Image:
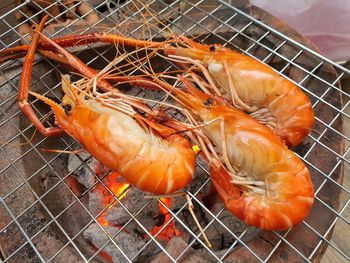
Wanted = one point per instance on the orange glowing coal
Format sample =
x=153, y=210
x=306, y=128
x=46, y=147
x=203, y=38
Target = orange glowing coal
x=196, y=149
x=119, y=189
x=170, y=230
x=102, y=219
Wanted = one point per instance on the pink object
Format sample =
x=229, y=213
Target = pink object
x=326, y=23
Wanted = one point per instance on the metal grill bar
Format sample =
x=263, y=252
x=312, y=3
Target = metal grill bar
x=283, y=239
x=23, y=232
x=52, y=217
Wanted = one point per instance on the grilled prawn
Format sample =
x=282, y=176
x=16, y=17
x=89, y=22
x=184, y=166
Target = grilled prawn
x=258, y=178
x=245, y=82
x=147, y=154
x=130, y=145
x=251, y=86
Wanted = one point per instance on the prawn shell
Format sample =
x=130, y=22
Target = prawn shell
x=151, y=163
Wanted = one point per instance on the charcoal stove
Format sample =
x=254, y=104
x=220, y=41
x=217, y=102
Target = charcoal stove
x=58, y=207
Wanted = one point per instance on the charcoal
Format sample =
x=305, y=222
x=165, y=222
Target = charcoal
x=96, y=203
x=82, y=173
x=129, y=243
x=194, y=258
x=134, y=201
x=174, y=247
x=117, y=216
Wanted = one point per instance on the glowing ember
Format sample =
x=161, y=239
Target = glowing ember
x=119, y=189
x=102, y=219
x=167, y=202
x=170, y=230
x=196, y=149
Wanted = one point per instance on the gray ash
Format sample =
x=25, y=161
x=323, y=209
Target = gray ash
x=133, y=215
x=129, y=243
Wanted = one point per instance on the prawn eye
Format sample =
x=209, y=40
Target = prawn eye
x=212, y=48
x=67, y=108
x=209, y=102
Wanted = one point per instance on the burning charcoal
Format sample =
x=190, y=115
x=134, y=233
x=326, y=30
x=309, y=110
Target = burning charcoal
x=134, y=201
x=129, y=243
x=96, y=202
x=174, y=247
x=48, y=244
x=83, y=174
x=117, y=216
x=218, y=236
x=198, y=181
x=202, y=255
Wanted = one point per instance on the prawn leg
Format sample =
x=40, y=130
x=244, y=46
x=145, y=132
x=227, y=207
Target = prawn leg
x=77, y=40
x=25, y=84
x=236, y=101
x=81, y=67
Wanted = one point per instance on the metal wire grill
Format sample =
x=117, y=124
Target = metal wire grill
x=337, y=151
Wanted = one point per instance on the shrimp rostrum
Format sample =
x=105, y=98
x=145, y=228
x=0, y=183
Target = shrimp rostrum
x=258, y=178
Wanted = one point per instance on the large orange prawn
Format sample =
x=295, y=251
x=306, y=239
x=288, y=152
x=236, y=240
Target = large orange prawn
x=251, y=86
x=144, y=153
x=147, y=154
x=247, y=83
x=258, y=178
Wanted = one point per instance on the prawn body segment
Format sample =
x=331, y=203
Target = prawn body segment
x=285, y=193
x=282, y=192
x=278, y=209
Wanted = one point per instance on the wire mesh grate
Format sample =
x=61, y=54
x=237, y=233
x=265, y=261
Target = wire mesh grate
x=29, y=188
